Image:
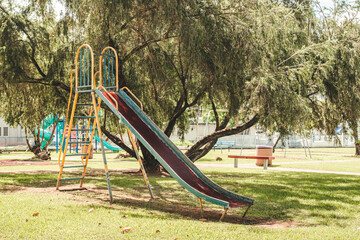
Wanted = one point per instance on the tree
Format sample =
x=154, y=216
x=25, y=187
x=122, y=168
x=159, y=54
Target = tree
x=34, y=53
x=264, y=62
x=223, y=55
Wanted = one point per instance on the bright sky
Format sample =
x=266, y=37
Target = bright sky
x=326, y=3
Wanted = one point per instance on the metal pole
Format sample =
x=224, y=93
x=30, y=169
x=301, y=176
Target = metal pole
x=224, y=213
x=102, y=144
x=201, y=207
x=246, y=211
x=57, y=138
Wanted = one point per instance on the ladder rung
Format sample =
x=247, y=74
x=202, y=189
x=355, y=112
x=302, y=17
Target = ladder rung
x=84, y=104
x=71, y=178
x=77, y=154
x=84, y=91
x=80, y=130
x=74, y=166
x=84, y=117
x=78, y=142
x=112, y=87
x=84, y=86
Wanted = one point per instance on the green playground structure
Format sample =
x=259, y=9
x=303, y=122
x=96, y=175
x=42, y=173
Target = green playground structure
x=46, y=135
x=107, y=145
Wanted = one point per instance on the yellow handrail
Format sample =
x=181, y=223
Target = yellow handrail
x=92, y=66
x=125, y=88
x=67, y=114
x=107, y=92
x=116, y=66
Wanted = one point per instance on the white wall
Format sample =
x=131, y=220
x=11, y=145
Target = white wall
x=15, y=135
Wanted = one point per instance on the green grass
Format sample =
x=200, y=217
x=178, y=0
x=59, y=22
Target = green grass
x=321, y=206
x=348, y=166
x=312, y=205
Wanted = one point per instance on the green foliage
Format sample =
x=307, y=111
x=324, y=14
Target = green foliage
x=285, y=62
x=34, y=60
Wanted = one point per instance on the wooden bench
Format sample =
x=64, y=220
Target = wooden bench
x=236, y=158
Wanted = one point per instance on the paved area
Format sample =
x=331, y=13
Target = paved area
x=252, y=165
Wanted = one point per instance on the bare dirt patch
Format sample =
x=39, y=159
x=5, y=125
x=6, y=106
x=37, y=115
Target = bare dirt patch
x=16, y=162
x=91, y=194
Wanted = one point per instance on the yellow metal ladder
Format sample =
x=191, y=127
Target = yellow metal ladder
x=84, y=84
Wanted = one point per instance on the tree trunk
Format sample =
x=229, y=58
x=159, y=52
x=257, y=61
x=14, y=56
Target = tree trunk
x=198, y=150
x=357, y=148
x=39, y=153
x=118, y=141
x=276, y=143
x=354, y=128
x=151, y=165
x=202, y=147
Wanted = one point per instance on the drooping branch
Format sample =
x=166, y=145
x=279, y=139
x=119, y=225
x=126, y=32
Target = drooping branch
x=193, y=152
x=117, y=141
x=27, y=138
x=179, y=110
x=144, y=45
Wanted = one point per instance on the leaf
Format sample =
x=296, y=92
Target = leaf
x=35, y=214
x=126, y=229
x=157, y=231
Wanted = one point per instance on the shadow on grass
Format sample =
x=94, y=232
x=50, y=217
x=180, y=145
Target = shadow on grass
x=278, y=195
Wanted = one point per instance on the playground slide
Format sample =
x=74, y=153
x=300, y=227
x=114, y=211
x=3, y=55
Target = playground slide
x=46, y=135
x=108, y=145
x=170, y=157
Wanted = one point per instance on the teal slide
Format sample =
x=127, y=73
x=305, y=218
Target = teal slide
x=46, y=135
x=179, y=166
x=107, y=145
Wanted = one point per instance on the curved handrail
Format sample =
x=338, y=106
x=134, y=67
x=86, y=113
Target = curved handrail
x=112, y=98
x=132, y=94
x=92, y=65
x=116, y=66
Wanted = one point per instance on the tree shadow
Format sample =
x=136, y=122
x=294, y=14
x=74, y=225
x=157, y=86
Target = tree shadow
x=278, y=196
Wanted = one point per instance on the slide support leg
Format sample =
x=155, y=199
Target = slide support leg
x=246, y=211
x=224, y=213
x=201, y=207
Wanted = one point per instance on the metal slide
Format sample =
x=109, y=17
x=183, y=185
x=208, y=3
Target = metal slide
x=171, y=158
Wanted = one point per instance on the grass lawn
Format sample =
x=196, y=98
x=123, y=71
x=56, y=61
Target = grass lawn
x=348, y=166
x=288, y=205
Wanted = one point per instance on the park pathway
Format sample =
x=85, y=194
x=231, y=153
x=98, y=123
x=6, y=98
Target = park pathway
x=252, y=165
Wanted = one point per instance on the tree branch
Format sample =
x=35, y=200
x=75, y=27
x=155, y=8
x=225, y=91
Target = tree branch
x=118, y=141
x=191, y=153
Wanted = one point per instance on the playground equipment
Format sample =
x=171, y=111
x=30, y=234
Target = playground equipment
x=46, y=135
x=138, y=123
x=107, y=145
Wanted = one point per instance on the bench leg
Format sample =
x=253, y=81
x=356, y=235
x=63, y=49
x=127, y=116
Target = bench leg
x=265, y=164
x=236, y=163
